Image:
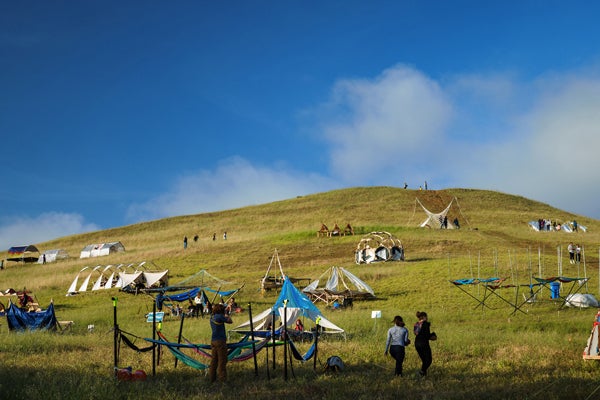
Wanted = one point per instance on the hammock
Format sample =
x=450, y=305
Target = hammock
x=309, y=354
x=235, y=350
x=132, y=345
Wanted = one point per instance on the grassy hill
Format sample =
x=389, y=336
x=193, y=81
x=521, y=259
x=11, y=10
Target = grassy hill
x=479, y=351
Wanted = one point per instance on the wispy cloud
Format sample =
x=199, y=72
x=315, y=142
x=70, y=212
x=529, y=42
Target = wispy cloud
x=234, y=183
x=46, y=226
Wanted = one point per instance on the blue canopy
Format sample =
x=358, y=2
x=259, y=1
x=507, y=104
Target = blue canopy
x=19, y=320
x=295, y=298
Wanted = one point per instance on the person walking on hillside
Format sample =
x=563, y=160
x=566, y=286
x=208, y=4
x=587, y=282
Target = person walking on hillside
x=423, y=335
x=185, y=242
x=571, y=250
x=218, y=343
x=397, y=339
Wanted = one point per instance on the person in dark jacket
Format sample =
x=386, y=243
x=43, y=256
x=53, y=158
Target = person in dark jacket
x=423, y=335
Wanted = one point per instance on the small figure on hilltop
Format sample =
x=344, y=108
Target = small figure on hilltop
x=225, y=235
x=423, y=335
x=214, y=236
x=185, y=242
x=397, y=339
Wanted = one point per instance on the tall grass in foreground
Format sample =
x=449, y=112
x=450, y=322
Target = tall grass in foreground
x=489, y=353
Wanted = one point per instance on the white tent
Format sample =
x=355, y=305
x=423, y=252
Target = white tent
x=591, y=350
x=436, y=220
x=101, y=249
x=296, y=305
x=581, y=300
x=109, y=276
x=53, y=255
x=338, y=282
x=379, y=246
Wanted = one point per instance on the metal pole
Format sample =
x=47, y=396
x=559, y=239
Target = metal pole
x=115, y=335
x=252, y=338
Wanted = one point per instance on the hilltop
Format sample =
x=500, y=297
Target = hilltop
x=479, y=350
x=489, y=220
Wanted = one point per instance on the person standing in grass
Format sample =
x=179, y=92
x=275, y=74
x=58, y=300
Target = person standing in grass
x=397, y=339
x=218, y=343
x=423, y=335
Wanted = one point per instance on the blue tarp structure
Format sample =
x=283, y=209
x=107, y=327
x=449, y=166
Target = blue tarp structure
x=190, y=294
x=19, y=320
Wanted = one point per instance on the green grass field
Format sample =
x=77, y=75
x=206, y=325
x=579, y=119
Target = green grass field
x=491, y=353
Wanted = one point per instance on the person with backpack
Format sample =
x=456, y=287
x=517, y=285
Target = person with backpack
x=397, y=340
x=423, y=335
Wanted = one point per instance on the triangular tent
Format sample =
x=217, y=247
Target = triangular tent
x=297, y=305
x=338, y=282
x=269, y=282
x=437, y=220
x=379, y=246
x=591, y=350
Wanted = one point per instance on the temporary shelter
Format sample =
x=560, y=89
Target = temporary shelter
x=53, y=255
x=109, y=276
x=338, y=284
x=379, y=246
x=101, y=249
x=296, y=305
x=26, y=254
x=20, y=320
x=269, y=282
x=591, y=350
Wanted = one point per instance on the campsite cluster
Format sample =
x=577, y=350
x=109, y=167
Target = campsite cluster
x=296, y=304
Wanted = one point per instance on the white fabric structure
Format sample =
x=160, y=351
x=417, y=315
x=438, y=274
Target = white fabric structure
x=379, y=246
x=591, y=350
x=340, y=280
x=53, y=255
x=117, y=277
x=436, y=220
x=581, y=300
x=101, y=249
x=297, y=305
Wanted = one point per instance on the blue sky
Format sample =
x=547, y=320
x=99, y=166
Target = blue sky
x=112, y=113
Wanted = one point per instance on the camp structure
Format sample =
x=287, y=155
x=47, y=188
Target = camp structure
x=379, y=246
x=20, y=320
x=591, y=350
x=129, y=278
x=101, y=249
x=53, y=255
x=297, y=305
x=25, y=254
x=270, y=282
x=338, y=284
x=440, y=220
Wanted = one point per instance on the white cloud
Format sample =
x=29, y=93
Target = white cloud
x=235, y=183
x=551, y=154
x=537, y=139
x=385, y=126
x=47, y=226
